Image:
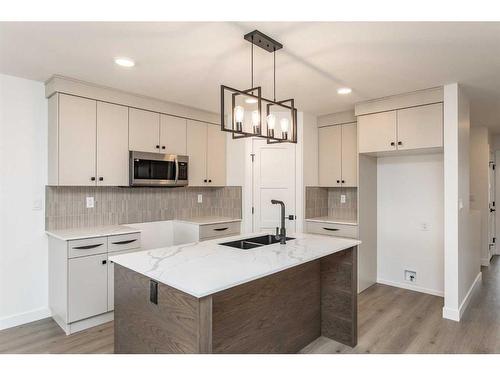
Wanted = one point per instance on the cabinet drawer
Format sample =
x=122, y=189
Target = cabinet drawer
x=124, y=242
x=337, y=230
x=87, y=246
x=219, y=230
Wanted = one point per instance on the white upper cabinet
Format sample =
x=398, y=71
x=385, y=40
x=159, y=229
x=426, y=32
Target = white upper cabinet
x=377, y=132
x=197, y=152
x=216, y=156
x=403, y=129
x=206, y=148
x=144, y=130
x=349, y=155
x=77, y=141
x=112, y=145
x=420, y=127
x=173, y=135
x=330, y=155
x=338, y=156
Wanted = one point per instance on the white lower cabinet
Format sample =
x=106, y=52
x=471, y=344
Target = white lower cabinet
x=87, y=286
x=81, y=279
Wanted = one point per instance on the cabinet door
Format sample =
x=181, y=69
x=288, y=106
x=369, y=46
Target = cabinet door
x=112, y=144
x=216, y=156
x=420, y=127
x=77, y=141
x=173, y=135
x=349, y=155
x=197, y=152
x=377, y=132
x=88, y=287
x=330, y=155
x=144, y=130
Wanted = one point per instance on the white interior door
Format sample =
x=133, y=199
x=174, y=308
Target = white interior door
x=273, y=178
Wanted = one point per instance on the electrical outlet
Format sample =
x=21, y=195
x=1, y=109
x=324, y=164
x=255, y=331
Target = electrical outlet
x=200, y=198
x=342, y=198
x=410, y=276
x=90, y=202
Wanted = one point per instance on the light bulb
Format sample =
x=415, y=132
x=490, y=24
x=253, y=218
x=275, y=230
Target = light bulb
x=255, y=118
x=284, y=125
x=271, y=121
x=239, y=113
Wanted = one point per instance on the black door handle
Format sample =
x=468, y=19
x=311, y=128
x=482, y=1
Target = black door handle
x=104, y=262
x=123, y=242
x=92, y=178
x=393, y=144
x=86, y=247
x=158, y=146
x=400, y=143
x=101, y=178
x=492, y=210
x=163, y=147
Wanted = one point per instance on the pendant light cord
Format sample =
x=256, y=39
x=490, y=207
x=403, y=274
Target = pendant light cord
x=274, y=75
x=251, y=86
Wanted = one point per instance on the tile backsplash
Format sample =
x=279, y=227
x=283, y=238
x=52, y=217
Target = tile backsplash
x=322, y=201
x=65, y=206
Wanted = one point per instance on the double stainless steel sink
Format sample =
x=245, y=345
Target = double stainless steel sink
x=253, y=242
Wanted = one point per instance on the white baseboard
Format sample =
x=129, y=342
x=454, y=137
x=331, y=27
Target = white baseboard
x=456, y=314
x=26, y=317
x=415, y=288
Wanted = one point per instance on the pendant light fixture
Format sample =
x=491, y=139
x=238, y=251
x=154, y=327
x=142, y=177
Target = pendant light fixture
x=241, y=110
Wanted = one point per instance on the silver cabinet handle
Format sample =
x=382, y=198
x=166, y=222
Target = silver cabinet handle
x=123, y=242
x=86, y=247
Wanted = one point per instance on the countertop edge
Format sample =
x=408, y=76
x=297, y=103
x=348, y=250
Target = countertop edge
x=331, y=221
x=91, y=235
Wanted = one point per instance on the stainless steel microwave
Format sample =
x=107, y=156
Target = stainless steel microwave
x=155, y=169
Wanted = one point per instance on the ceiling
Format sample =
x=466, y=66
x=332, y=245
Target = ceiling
x=187, y=62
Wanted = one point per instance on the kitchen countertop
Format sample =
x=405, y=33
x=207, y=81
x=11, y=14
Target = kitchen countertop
x=204, y=268
x=332, y=220
x=81, y=233
x=206, y=220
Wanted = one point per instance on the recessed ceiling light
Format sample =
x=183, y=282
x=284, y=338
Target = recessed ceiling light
x=125, y=62
x=344, y=90
x=250, y=100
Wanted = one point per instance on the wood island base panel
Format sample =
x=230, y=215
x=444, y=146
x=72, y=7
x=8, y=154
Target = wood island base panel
x=279, y=313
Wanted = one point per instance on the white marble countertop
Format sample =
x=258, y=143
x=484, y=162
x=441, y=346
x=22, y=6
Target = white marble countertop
x=204, y=268
x=81, y=233
x=206, y=220
x=332, y=220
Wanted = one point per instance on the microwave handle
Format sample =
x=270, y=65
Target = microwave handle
x=176, y=170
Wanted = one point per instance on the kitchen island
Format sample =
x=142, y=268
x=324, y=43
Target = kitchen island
x=205, y=297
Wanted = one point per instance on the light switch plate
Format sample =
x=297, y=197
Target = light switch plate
x=90, y=202
x=342, y=198
x=200, y=198
x=37, y=205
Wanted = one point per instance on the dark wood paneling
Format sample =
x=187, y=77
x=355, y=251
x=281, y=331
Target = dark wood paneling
x=279, y=313
x=171, y=326
x=339, y=318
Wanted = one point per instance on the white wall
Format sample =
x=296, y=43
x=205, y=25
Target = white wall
x=23, y=243
x=410, y=195
x=479, y=184
x=461, y=258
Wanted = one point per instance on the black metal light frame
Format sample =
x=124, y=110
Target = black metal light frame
x=263, y=41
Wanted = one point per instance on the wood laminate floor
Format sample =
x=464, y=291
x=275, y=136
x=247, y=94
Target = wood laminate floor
x=391, y=320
